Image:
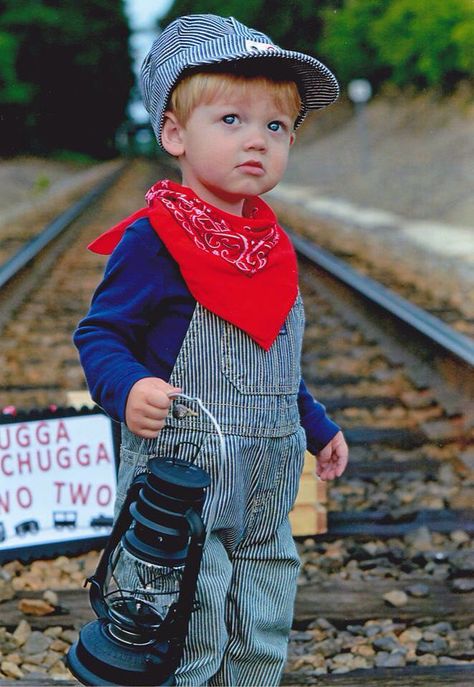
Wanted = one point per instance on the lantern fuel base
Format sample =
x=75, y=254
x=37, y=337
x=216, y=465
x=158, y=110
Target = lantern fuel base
x=143, y=589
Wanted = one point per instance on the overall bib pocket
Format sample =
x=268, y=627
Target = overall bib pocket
x=252, y=370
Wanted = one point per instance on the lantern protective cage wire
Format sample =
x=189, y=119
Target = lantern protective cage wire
x=141, y=590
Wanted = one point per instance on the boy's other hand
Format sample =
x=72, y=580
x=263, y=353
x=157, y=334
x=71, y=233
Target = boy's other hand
x=147, y=406
x=332, y=459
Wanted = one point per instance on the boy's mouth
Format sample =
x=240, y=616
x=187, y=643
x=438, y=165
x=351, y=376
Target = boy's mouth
x=252, y=167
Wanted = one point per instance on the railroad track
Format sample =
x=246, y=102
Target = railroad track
x=407, y=278
x=400, y=519
x=400, y=383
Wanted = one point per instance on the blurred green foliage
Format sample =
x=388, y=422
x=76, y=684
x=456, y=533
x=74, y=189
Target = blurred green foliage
x=405, y=42
x=347, y=40
x=65, y=75
x=424, y=43
x=295, y=24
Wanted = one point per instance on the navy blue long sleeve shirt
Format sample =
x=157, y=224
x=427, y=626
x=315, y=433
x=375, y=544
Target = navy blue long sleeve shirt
x=136, y=325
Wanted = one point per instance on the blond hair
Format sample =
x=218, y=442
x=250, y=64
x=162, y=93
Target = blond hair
x=204, y=87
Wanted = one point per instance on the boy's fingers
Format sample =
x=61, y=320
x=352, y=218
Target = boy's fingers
x=342, y=463
x=157, y=399
x=154, y=413
x=326, y=474
x=324, y=456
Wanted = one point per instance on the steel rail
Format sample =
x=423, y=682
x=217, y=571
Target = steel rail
x=436, y=354
x=385, y=525
x=423, y=322
x=14, y=265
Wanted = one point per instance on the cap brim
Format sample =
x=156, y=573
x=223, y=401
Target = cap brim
x=319, y=86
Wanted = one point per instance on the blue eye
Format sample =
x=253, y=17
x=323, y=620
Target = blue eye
x=275, y=126
x=229, y=119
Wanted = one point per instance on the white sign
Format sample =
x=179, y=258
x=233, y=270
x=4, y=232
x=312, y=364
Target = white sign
x=57, y=480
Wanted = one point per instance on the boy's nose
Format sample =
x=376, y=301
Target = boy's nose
x=255, y=140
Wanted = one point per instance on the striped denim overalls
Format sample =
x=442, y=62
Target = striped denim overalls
x=238, y=635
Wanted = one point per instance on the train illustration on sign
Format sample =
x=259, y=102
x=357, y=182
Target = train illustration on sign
x=68, y=519
x=27, y=527
x=62, y=519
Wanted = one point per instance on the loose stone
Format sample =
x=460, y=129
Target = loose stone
x=59, y=670
x=302, y=636
x=7, y=591
x=51, y=597
x=419, y=591
x=420, y=539
x=462, y=561
x=60, y=645
x=54, y=631
x=7, y=642
x=35, y=673
x=10, y=669
x=328, y=647
x=36, y=643
x=37, y=607
x=51, y=658
x=22, y=632
x=396, y=598
x=459, y=537
x=363, y=650
x=436, y=646
x=462, y=584
x=441, y=628
x=69, y=636
x=37, y=659
x=386, y=644
x=384, y=659
x=412, y=634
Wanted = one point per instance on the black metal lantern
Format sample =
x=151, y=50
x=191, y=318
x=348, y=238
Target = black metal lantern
x=143, y=589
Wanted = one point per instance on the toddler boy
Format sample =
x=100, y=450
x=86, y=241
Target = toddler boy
x=200, y=295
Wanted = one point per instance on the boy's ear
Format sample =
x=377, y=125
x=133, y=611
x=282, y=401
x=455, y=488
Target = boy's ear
x=292, y=138
x=171, y=135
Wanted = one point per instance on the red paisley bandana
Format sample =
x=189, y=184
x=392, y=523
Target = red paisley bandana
x=243, y=269
x=242, y=242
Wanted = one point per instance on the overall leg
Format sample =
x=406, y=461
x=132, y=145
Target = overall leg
x=265, y=563
x=259, y=612
x=207, y=635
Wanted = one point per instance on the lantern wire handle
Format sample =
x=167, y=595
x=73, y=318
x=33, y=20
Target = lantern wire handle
x=213, y=506
x=223, y=451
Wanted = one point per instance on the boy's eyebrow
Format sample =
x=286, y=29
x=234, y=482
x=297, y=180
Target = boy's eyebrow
x=237, y=102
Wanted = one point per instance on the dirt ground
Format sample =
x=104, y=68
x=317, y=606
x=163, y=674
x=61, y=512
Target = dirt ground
x=25, y=179
x=412, y=157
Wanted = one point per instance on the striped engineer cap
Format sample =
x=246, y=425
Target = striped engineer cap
x=205, y=39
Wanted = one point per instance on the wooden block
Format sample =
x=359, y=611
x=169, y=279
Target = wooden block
x=309, y=515
x=307, y=520
x=321, y=491
x=307, y=492
x=309, y=464
x=79, y=399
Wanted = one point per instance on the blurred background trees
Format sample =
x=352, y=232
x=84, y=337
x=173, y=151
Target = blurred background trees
x=66, y=76
x=405, y=42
